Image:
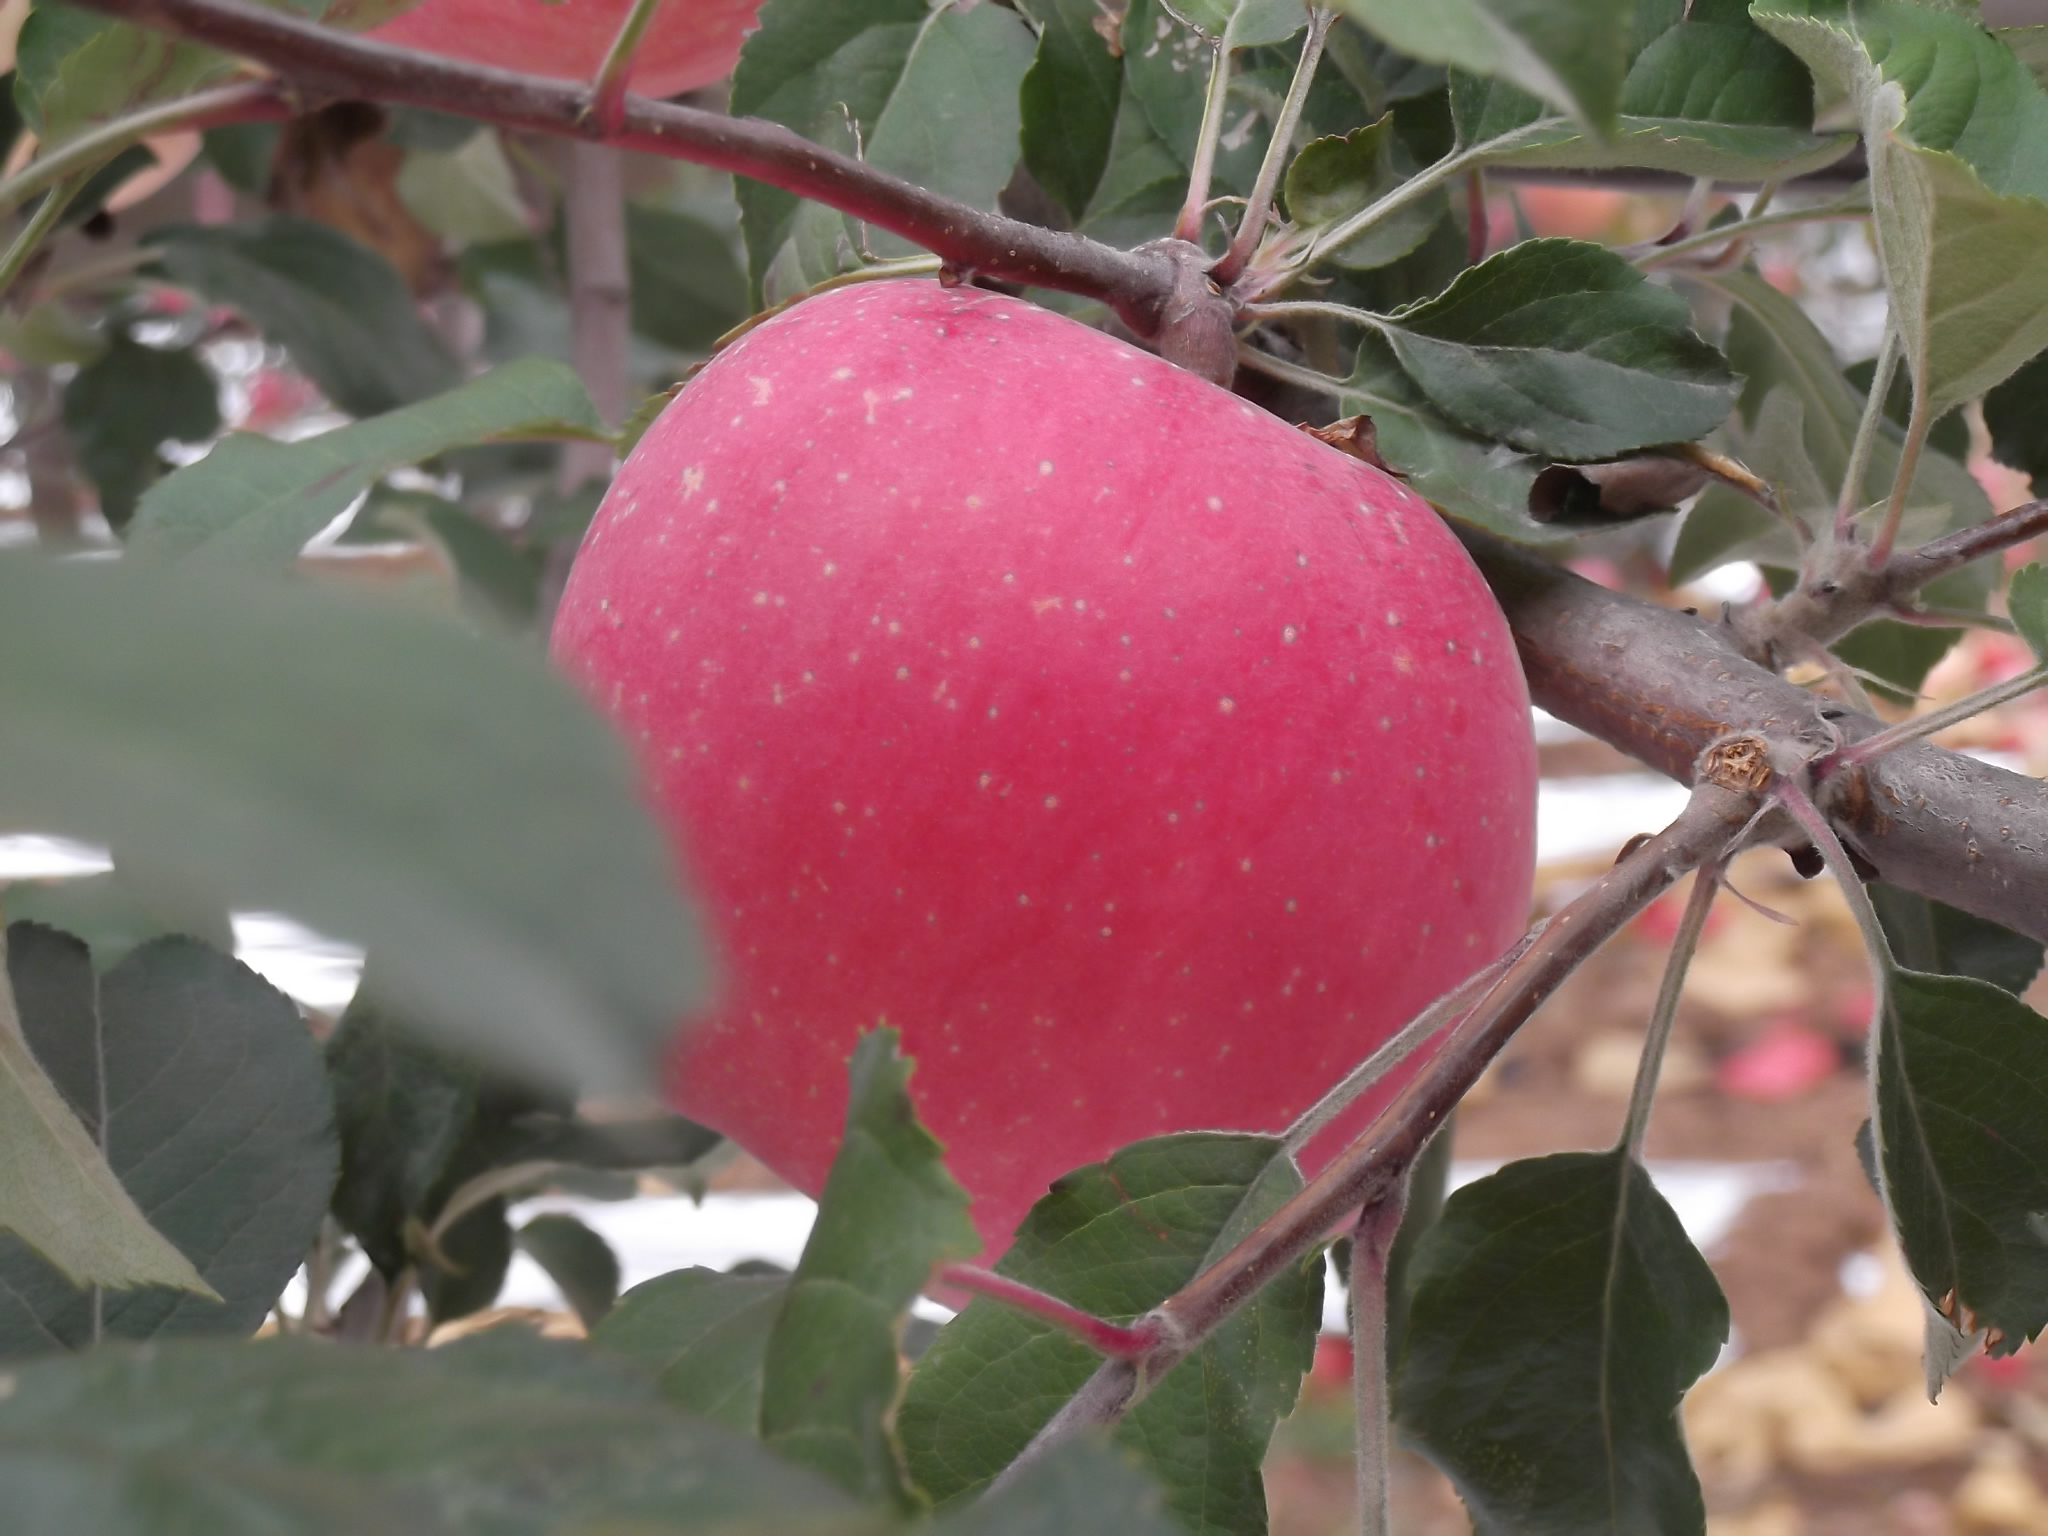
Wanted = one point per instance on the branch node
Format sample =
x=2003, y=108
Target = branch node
x=1739, y=764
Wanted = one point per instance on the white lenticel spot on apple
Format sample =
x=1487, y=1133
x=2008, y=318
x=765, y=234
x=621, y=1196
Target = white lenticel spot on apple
x=1225, y=706
x=1052, y=802
x=902, y=673
x=693, y=481
x=842, y=373
x=763, y=388
x=1245, y=865
x=1288, y=634
x=1215, y=503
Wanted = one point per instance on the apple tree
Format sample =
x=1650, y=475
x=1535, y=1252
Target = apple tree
x=958, y=610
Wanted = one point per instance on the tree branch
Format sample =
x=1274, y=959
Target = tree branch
x=322, y=63
x=1660, y=685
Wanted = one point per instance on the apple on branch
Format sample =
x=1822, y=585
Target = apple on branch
x=1142, y=759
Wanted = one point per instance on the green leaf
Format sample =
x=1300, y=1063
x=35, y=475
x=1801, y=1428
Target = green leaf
x=74, y=70
x=687, y=291
x=1900, y=655
x=1166, y=72
x=254, y=498
x=340, y=309
x=502, y=1435
x=499, y=581
x=1557, y=1316
x=119, y=910
x=1794, y=425
x=1573, y=54
x=1067, y=102
x=1333, y=178
x=1142, y=186
x=465, y=192
x=438, y=796
x=2018, y=425
x=2027, y=601
x=1463, y=475
x=1560, y=347
x=952, y=123
x=206, y=1090
x=1957, y=135
x=831, y=1373
x=122, y=407
x=467, y=1268
x=580, y=1263
x=1936, y=938
x=60, y=1197
x=1115, y=1239
x=704, y=1336
x=1082, y=1489
x=1962, y=1135
x=811, y=65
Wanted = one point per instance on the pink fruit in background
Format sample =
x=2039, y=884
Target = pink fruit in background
x=690, y=42
x=1787, y=1061
x=1144, y=760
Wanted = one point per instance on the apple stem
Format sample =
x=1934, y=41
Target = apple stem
x=1706, y=881
x=1735, y=237
x=1259, y=206
x=1372, y=1242
x=1111, y=1340
x=37, y=230
x=1918, y=422
x=1188, y=226
x=608, y=90
x=1367, y=1171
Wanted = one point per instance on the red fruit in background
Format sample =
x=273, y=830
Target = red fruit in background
x=1786, y=1061
x=1144, y=760
x=688, y=44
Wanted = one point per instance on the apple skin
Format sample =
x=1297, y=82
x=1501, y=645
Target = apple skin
x=690, y=43
x=1143, y=760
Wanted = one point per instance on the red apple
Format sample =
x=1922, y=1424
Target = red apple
x=690, y=42
x=1143, y=760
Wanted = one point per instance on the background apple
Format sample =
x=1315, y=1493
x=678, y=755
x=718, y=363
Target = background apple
x=690, y=43
x=1144, y=760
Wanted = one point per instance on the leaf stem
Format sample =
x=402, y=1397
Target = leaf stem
x=1848, y=207
x=1372, y=1242
x=1935, y=721
x=1413, y=190
x=245, y=101
x=1105, y=1338
x=37, y=230
x=1865, y=441
x=1453, y=1005
x=1188, y=226
x=1918, y=422
x=1706, y=881
x=1253, y=225
x=608, y=89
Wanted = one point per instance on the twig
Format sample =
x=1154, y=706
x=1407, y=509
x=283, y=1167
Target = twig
x=608, y=89
x=1372, y=1241
x=1279, y=149
x=1106, y=1338
x=1367, y=1171
x=323, y=61
x=1854, y=204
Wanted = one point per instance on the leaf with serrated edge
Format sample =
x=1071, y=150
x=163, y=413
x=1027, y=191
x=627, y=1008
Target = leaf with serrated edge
x=1933, y=937
x=75, y=70
x=1560, y=347
x=1957, y=133
x=1242, y=23
x=888, y=1214
x=1115, y=1239
x=315, y=751
x=1558, y=1414
x=504, y=1433
x=705, y=1337
x=60, y=1197
x=1572, y=53
x=217, y=1121
x=1962, y=1135
x=1334, y=177
x=257, y=499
